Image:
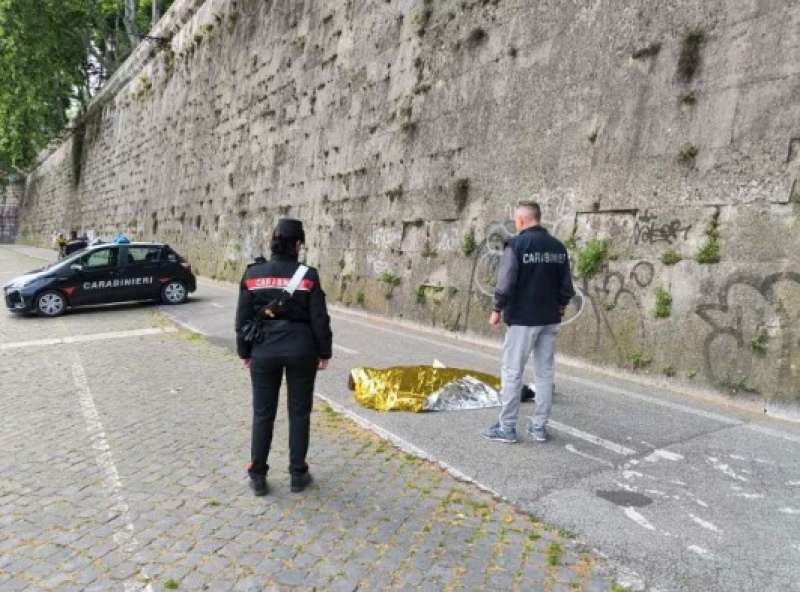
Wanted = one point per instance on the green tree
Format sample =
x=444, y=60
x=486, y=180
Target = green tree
x=54, y=57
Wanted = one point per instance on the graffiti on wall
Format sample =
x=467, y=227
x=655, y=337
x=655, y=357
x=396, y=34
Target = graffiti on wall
x=648, y=229
x=754, y=325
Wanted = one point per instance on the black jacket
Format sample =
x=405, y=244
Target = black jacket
x=303, y=329
x=533, y=280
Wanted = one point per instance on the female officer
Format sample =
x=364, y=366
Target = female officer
x=282, y=325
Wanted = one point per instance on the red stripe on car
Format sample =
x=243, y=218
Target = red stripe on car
x=267, y=283
x=164, y=280
x=69, y=291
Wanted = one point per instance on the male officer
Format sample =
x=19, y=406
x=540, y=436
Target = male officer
x=276, y=333
x=534, y=286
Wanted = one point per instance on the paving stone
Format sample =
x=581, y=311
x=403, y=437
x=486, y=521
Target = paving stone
x=179, y=456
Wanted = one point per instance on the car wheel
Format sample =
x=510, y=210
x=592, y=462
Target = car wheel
x=174, y=292
x=51, y=304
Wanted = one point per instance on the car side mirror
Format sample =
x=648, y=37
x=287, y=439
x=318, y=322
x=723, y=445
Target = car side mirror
x=76, y=267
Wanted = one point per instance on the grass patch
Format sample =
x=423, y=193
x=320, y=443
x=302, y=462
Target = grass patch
x=390, y=282
x=360, y=298
x=663, y=304
x=591, y=258
x=420, y=295
x=668, y=371
x=329, y=411
x=171, y=584
x=638, y=360
x=708, y=253
x=554, y=553
x=670, y=257
x=615, y=587
x=469, y=245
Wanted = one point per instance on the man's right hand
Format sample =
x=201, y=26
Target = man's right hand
x=323, y=364
x=494, y=319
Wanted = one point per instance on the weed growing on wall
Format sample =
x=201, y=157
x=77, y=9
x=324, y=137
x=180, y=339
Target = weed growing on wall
x=428, y=252
x=639, y=360
x=709, y=252
x=688, y=98
x=469, y=245
x=670, y=257
x=687, y=153
x=663, y=304
x=421, y=295
x=759, y=343
x=390, y=282
x=591, y=257
x=690, y=58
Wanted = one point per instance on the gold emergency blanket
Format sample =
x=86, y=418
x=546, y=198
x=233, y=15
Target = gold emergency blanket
x=409, y=388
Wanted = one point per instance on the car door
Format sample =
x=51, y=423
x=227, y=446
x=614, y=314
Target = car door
x=98, y=274
x=139, y=271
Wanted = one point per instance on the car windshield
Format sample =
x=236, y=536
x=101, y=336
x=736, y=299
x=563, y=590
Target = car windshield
x=67, y=261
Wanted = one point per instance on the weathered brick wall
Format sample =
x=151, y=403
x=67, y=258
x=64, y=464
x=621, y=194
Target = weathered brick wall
x=399, y=129
x=11, y=190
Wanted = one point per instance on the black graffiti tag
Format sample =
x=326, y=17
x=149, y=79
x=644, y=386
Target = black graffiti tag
x=646, y=230
x=725, y=319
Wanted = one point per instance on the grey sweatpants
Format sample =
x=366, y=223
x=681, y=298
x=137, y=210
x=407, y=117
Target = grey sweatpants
x=520, y=342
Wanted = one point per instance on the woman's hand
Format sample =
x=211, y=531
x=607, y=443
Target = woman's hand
x=323, y=364
x=246, y=363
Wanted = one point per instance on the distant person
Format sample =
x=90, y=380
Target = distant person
x=282, y=326
x=61, y=243
x=121, y=239
x=74, y=244
x=534, y=286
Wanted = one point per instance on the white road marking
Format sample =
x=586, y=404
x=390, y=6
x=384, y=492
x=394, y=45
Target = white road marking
x=628, y=474
x=750, y=495
x=345, y=350
x=638, y=518
x=87, y=338
x=573, y=450
x=726, y=469
x=700, y=551
x=666, y=454
x=792, y=511
x=596, y=440
x=793, y=483
x=705, y=524
x=217, y=305
x=123, y=535
x=737, y=457
x=187, y=326
x=654, y=400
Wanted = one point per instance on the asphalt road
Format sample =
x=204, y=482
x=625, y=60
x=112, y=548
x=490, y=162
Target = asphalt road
x=683, y=494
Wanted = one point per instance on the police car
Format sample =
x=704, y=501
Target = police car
x=103, y=274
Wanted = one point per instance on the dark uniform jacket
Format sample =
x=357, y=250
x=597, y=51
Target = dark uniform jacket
x=533, y=280
x=302, y=330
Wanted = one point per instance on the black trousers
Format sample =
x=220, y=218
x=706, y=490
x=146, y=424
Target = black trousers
x=266, y=375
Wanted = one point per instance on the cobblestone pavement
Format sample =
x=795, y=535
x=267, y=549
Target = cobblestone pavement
x=122, y=468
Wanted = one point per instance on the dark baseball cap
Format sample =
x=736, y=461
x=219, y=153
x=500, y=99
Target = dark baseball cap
x=289, y=228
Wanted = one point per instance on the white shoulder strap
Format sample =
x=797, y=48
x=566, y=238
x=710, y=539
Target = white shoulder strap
x=297, y=278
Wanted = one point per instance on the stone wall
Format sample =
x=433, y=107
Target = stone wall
x=403, y=131
x=11, y=190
